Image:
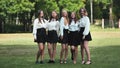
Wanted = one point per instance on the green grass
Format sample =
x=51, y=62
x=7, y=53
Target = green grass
x=19, y=50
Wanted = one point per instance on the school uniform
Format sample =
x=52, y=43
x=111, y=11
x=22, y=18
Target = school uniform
x=53, y=29
x=63, y=31
x=74, y=33
x=39, y=30
x=84, y=24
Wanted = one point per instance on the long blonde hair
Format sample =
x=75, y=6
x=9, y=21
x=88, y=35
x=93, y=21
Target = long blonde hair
x=67, y=18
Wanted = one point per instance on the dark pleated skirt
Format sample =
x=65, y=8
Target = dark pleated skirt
x=41, y=35
x=52, y=37
x=65, y=37
x=73, y=38
x=87, y=37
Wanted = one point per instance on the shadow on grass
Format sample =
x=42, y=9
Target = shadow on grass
x=22, y=56
x=106, y=54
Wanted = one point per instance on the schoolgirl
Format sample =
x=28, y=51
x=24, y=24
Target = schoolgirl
x=74, y=36
x=64, y=22
x=85, y=35
x=39, y=33
x=52, y=36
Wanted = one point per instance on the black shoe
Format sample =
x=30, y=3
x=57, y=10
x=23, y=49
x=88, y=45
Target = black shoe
x=53, y=61
x=71, y=57
x=50, y=61
x=41, y=62
x=37, y=62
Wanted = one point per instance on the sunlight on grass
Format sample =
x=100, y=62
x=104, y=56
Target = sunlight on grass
x=13, y=39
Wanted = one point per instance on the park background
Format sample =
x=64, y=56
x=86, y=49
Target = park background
x=17, y=49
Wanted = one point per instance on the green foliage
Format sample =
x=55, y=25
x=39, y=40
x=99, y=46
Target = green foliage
x=10, y=7
x=97, y=12
x=103, y=1
x=13, y=28
x=116, y=8
x=15, y=6
x=3, y=8
x=71, y=5
x=26, y=9
x=47, y=6
x=19, y=6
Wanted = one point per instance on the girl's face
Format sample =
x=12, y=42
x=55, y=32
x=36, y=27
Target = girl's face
x=41, y=14
x=82, y=12
x=73, y=15
x=64, y=14
x=54, y=14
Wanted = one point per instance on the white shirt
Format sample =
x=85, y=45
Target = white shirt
x=62, y=26
x=85, y=22
x=74, y=26
x=53, y=25
x=37, y=25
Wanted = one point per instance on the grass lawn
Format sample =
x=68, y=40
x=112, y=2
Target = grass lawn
x=19, y=51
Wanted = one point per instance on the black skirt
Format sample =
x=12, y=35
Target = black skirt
x=41, y=35
x=52, y=37
x=74, y=38
x=87, y=37
x=65, y=37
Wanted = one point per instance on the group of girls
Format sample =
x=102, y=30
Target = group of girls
x=67, y=31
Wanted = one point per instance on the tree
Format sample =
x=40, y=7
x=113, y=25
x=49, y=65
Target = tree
x=116, y=8
x=3, y=9
x=47, y=6
x=10, y=8
x=22, y=8
x=71, y=5
x=110, y=4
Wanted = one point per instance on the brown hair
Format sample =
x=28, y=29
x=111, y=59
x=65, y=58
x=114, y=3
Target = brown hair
x=84, y=10
x=75, y=19
x=39, y=12
x=52, y=17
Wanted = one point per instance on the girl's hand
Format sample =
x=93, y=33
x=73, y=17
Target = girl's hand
x=83, y=37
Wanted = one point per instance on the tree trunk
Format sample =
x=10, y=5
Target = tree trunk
x=24, y=21
x=0, y=26
x=30, y=21
x=91, y=8
x=111, y=23
x=25, y=26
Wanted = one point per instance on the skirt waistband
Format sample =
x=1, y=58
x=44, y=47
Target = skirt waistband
x=82, y=27
x=73, y=31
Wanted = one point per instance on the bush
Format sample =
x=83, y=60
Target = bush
x=13, y=28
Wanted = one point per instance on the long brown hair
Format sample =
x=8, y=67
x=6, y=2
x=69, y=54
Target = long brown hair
x=75, y=19
x=51, y=17
x=39, y=17
x=84, y=10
